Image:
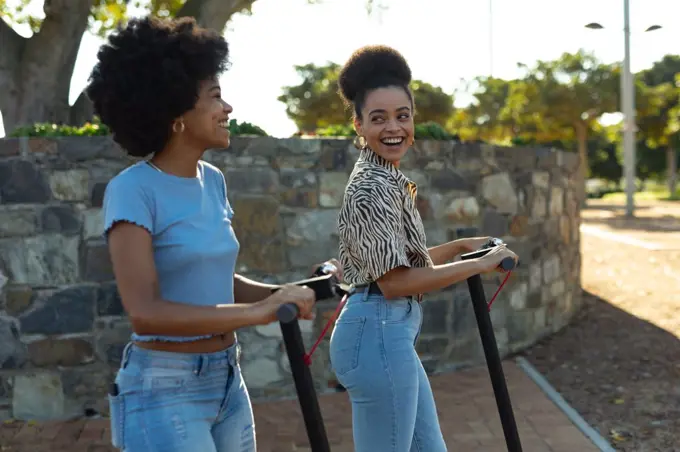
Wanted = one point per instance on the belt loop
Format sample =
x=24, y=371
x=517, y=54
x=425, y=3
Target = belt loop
x=199, y=366
x=234, y=353
x=366, y=293
x=125, y=357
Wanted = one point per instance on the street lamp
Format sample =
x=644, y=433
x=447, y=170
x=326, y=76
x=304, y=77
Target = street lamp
x=627, y=108
x=490, y=38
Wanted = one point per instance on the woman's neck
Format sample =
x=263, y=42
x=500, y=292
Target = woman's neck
x=178, y=160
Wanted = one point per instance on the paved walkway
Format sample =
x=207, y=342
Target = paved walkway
x=467, y=411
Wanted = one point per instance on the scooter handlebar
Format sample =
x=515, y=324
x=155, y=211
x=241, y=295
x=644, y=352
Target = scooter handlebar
x=324, y=287
x=506, y=264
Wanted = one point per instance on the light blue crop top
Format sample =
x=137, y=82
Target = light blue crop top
x=189, y=219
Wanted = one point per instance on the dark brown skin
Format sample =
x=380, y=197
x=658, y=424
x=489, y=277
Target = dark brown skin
x=388, y=112
x=249, y=291
x=442, y=254
x=131, y=251
x=133, y=265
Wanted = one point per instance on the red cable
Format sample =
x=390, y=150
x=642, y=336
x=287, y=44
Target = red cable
x=488, y=306
x=308, y=356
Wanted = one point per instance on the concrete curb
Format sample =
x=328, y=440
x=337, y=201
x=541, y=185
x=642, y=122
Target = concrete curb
x=562, y=404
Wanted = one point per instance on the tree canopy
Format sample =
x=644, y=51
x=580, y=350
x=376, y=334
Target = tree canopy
x=315, y=102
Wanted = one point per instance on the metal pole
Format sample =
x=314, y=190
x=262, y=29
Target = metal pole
x=490, y=38
x=628, y=107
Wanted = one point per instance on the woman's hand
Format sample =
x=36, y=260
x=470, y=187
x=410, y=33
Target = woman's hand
x=491, y=261
x=302, y=296
x=467, y=245
x=335, y=263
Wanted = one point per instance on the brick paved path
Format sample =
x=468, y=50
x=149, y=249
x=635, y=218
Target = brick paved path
x=467, y=411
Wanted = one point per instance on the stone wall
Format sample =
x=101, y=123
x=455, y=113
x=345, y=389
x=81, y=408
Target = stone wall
x=62, y=328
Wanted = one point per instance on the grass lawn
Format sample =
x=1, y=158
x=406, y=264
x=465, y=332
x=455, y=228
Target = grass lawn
x=650, y=194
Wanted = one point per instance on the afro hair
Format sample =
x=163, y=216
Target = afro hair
x=369, y=68
x=148, y=74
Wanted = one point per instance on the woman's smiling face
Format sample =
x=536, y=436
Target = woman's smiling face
x=387, y=122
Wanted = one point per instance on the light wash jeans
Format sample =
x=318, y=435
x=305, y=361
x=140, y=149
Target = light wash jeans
x=373, y=354
x=181, y=402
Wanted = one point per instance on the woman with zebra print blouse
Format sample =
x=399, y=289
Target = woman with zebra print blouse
x=384, y=256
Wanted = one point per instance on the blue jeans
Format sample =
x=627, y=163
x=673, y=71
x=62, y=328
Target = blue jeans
x=181, y=402
x=373, y=354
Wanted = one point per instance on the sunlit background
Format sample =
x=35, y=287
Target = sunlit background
x=445, y=42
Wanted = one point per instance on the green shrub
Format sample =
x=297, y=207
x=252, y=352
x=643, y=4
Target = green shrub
x=424, y=131
x=336, y=130
x=95, y=128
x=245, y=128
x=433, y=131
x=57, y=130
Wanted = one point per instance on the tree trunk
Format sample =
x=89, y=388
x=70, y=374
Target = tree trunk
x=36, y=72
x=213, y=13
x=10, y=58
x=581, y=130
x=672, y=167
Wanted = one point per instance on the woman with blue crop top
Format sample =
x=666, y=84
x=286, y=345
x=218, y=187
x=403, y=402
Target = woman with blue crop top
x=167, y=221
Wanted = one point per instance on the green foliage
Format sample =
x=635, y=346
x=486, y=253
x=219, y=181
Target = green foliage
x=95, y=128
x=482, y=119
x=315, y=103
x=336, y=130
x=432, y=103
x=554, y=96
x=106, y=15
x=432, y=131
x=245, y=128
x=57, y=130
x=558, y=103
x=18, y=15
x=423, y=131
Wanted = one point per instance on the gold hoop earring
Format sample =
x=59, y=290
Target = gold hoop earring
x=181, y=128
x=360, y=142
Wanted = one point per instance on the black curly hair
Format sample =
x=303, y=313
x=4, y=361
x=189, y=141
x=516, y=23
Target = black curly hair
x=372, y=67
x=148, y=74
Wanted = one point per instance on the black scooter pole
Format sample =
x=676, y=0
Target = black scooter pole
x=493, y=360
x=295, y=349
x=304, y=384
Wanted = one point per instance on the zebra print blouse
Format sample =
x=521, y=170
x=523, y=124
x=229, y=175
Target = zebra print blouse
x=379, y=225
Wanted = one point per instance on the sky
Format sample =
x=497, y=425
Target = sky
x=445, y=42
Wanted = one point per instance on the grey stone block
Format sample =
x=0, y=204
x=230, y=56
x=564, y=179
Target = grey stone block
x=22, y=182
x=38, y=396
x=67, y=311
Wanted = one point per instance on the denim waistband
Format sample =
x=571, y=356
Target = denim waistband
x=196, y=362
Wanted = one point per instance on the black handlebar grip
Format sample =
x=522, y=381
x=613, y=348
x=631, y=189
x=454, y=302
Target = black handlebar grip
x=507, y=264
x=323, y=286
x=287, y=312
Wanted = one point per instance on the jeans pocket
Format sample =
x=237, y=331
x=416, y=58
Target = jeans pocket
x=345, y=344
x=117, y=417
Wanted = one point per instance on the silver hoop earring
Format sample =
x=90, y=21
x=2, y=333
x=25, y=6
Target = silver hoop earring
x=181, y=128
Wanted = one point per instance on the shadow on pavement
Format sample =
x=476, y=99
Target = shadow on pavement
x=619, y=372
x=650, y=217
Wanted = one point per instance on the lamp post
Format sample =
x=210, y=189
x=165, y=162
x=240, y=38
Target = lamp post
x=627, y=108
x=490, y=38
